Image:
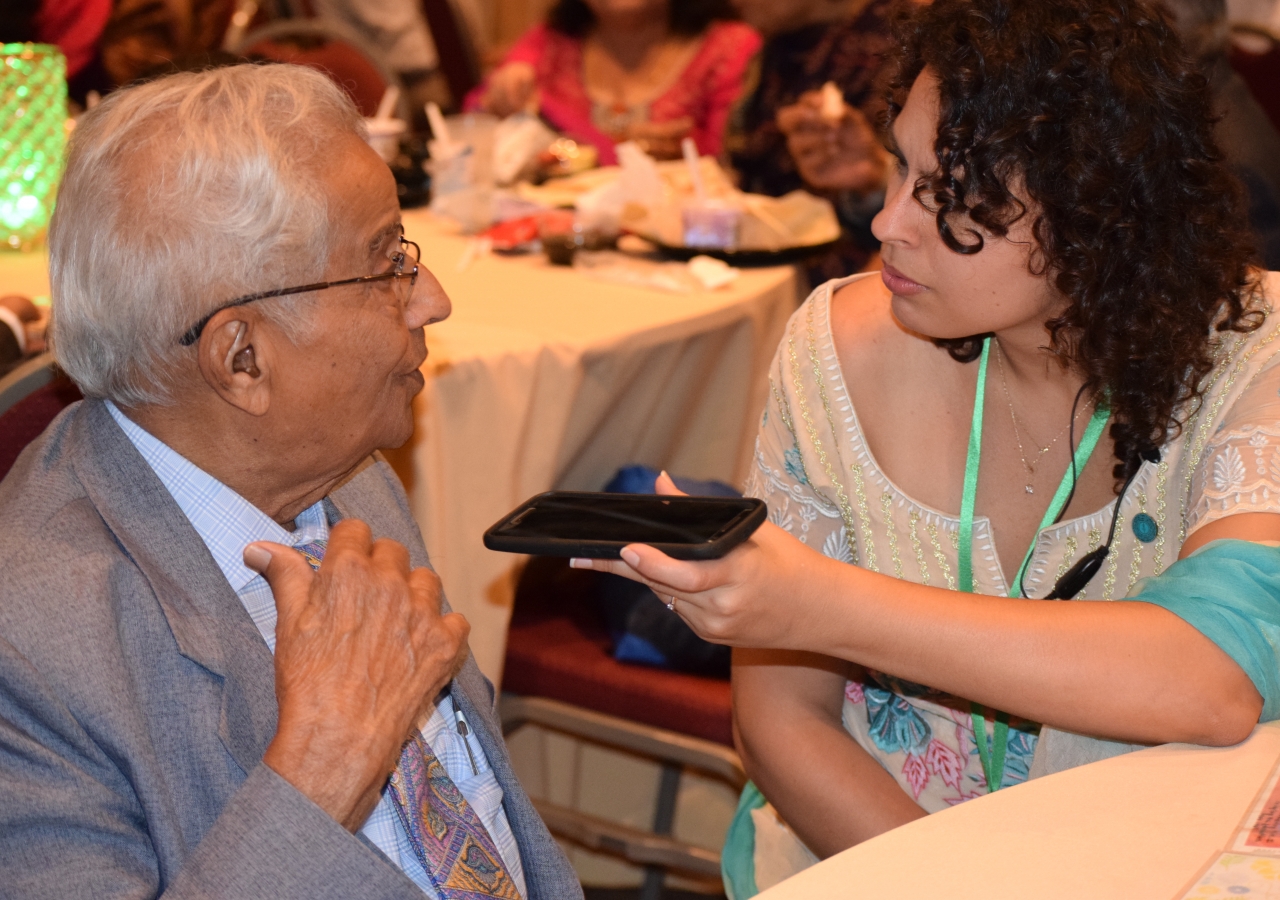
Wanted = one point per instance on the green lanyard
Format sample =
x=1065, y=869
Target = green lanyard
x=992, y=754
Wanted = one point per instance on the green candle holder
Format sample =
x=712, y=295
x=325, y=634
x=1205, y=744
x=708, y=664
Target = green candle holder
x=33, y=135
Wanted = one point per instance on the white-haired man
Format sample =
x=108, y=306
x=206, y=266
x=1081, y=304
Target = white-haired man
x=234, y=294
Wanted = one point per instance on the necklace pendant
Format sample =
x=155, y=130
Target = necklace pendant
x=1029, y=489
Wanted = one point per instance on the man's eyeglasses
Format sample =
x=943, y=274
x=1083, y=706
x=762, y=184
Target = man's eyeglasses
x=403, y=277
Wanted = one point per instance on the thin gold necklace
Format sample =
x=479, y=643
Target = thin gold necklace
x=1017, y=435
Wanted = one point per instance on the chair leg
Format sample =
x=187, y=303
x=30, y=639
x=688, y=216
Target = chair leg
x=664, y=815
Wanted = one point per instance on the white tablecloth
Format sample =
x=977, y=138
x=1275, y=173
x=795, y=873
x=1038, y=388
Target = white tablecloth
x=544, y=379
x=1136, y=827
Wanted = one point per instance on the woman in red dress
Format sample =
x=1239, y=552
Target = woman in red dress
x=606, y=71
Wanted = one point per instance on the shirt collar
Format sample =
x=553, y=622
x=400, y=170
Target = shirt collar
x=225, y=521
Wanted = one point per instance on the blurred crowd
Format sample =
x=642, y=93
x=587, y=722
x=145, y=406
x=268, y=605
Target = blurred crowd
x=743, y=78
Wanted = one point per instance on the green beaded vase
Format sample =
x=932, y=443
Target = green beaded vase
x=33, y=133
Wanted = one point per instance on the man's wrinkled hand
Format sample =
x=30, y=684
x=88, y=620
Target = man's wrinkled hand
x=362, y=651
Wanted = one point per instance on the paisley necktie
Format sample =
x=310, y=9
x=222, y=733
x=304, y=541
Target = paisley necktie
x=447, y=836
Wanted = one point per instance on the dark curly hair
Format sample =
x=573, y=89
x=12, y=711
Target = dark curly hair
x=1095, y=111
x=687, y=17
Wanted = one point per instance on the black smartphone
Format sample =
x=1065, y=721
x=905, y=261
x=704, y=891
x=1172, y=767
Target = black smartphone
x=585, y=524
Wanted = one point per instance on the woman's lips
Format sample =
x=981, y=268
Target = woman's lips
x=898, y=283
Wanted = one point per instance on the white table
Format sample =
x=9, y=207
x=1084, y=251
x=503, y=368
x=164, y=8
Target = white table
x=1138, y=827
x=544, y=379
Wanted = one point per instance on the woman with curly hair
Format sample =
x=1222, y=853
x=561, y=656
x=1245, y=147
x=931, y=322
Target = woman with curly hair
x=1062, y=385
x=606, y=71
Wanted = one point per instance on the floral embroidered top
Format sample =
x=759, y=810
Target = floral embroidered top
x=821, y=483
x=705, y=91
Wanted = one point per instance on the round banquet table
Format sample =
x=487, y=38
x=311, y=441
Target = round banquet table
x=1142, y=826
x=542, y=379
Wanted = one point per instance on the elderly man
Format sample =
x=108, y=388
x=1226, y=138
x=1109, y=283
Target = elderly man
x=234, y=295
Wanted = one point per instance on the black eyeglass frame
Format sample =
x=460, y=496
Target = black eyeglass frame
x=192, y=334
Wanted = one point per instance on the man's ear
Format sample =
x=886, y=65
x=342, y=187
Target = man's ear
x=235, y=360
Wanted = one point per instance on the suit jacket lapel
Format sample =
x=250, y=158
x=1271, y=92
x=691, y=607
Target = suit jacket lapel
x=207, y=619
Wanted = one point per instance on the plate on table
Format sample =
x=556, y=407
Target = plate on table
x=746, y=257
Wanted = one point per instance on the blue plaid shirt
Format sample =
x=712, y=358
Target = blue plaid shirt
x=227, y=523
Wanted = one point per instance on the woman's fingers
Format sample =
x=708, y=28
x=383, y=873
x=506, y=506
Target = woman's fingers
x=510, y=88
x=684, y=576
x=611, y=566
x=666, y=485
x=665, y=575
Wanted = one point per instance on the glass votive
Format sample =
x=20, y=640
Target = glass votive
x=33, y=129
x=561, y=236
x=563, y=233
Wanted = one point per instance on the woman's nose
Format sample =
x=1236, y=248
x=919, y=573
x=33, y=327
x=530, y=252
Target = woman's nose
x=898, y=221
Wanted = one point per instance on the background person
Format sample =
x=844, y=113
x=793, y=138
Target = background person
x=1041, y=302
x=607, y=71
x=1243, y=131
x=186, y=707
x=21, y=336
x=780, y=140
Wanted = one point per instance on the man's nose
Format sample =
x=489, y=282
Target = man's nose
x=428, y=303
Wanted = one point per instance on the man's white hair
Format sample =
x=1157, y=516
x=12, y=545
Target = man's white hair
x=179, y=195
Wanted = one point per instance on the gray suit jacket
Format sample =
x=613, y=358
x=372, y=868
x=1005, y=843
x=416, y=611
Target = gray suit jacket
x=137, y=698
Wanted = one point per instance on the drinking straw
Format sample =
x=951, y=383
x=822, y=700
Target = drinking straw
x=388, y=102
x=690, y=150
x=438, y=126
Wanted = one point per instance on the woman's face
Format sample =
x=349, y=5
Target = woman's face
x=937, y=292
x=605, y=10
x=770, y=17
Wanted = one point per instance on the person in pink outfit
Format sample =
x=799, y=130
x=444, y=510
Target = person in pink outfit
x=606, y=71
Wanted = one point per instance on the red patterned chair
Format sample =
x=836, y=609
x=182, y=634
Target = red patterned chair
x=31, y=396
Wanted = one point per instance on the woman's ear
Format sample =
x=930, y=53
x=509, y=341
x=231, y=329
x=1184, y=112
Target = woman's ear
x=234, y=359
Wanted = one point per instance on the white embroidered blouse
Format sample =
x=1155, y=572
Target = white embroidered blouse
x=821, y=483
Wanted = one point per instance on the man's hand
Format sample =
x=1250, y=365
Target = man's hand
x=833, y=153
x=361, y=654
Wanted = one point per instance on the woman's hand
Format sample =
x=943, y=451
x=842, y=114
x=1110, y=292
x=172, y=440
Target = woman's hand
x=755, y=596
x=833, y=154
x=661, y=140
x=512, y=89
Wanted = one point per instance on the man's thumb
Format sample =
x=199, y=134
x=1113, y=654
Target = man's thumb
x=285, y=569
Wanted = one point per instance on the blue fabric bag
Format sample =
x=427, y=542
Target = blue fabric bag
x=642, y=628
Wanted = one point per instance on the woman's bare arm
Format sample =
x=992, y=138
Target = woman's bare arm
x=1122, y=670
x=787, y=726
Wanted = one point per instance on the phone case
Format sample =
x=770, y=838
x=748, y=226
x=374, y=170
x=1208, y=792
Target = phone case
x=753, y=513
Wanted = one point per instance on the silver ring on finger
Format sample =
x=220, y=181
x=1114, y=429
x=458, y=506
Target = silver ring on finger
x=671, y=603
